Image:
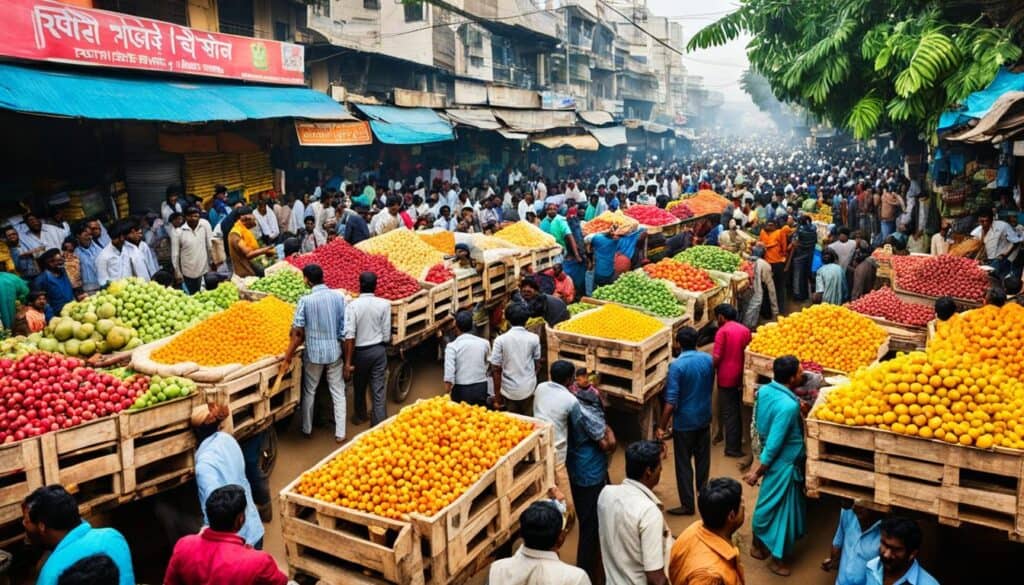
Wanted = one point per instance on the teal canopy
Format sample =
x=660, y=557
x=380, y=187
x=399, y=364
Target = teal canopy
x=394, y=125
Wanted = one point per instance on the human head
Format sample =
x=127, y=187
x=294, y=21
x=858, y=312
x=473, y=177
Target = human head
x=556, y=270
x=394, y=204
x=49, y=513
x=172, y=193
x=1012, y=285
x=68, y=245
x=844, y=234
x=206, y=419
x=95, y=227
x=786, y=370
x=292, y=246
x=517, y=314
x=770, y=225
x=32, y=222
x=51, y=260
x=529, y=289
x=97, y=569
x=446, y=212
x=464, y=321
x=643, y=462
x=225, y=508
x=985, y=217
x=687, y=339
x=176, y=219
x=901, y=541
x=721, y=505
x=37, y=300
x=313, y=275
x=11, y=236
x=367, y=283
x=541, y=526
x=725, y=313
x=220, y=192
x=582, y=377
x=192, y=216
x=828, y=256
x=945, y=307
x=995, y=297
x=562, y=372
x=552, y=210
x=133, y=232
x=83, y=234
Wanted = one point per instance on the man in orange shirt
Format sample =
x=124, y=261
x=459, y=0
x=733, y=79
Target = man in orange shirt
x=704, y=554
x=776, y=249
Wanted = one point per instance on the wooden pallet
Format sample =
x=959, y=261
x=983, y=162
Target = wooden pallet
x=21, y=472
x=903, y=337
x=339, y=545
x=441, y=298
x=157, y=446
x=757, y=370
x=632, y=371
x=544, y=258
x=85, y=459
x=956, y=484
x=499, y=278
x=469, y=290
x=410, y=316
x=249, y=401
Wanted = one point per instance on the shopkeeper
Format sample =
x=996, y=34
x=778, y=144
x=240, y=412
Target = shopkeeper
x=242, y=244
x=999, y=238
x=54, y=281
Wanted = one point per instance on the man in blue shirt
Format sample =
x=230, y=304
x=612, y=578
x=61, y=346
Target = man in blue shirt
x=51, y=520
x=356, y=228
x=603, y=248
x=220, y=462
x=896, y=563
x=320, y=324
x=856, y=542
x=54, y=281
x=688, y=408
x=87, y=251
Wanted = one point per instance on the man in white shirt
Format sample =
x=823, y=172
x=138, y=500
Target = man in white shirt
x=465, y=363
x=445, y=221
x=387, y=219
x=553, y=403
x=536, y=562
x=541, y=189
x=142, y=260
x=940, y=240
x=36, y=233
x=192, y=250
x=635, y=541
x=266, y=221
x=113, y=261
x=367, y=332
x=297, y=220
x=999, y=238
x=515, y=358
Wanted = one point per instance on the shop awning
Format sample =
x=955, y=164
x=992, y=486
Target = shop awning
x=980, y=102
x=103, y=97
x=534, y=121
x=393, y=125
x=481, y=118
x=596, y=117
x=1004, y=119
x=610, y=136
x=510, y=135
x=579, y=141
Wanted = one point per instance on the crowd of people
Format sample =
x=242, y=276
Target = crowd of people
x=623, y=536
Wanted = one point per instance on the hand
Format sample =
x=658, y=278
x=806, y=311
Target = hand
x=556, y=494
x=828, y=564
x=347, y=374
x=499, y=404
x=660, y=433
x=751, y=478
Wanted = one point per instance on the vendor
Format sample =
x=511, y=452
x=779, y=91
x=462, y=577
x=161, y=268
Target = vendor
x=550, y=307
x=243, y=246
x=999, y=238
x=463, y=259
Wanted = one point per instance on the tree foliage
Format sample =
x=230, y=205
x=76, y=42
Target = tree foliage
x=870, y=65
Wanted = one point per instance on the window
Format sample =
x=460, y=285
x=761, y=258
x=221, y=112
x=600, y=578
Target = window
x=282, y=32
x=476, y=61
x=414, y=12
x=371, y=4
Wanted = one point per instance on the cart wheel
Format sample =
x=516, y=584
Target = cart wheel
x=399, y=380
x=268, y=450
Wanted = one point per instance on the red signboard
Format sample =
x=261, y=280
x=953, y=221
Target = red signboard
x=44, y=30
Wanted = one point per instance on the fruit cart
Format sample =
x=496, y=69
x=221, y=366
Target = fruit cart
x=630, y=374
x=674, y=323
x=912, y=297
x=336, y=544
x=959, y=485
x=757, y=370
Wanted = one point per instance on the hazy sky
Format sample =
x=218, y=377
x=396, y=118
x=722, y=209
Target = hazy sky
x=720, y=66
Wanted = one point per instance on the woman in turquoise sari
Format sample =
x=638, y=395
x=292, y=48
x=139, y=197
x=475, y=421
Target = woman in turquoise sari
x=778, y=518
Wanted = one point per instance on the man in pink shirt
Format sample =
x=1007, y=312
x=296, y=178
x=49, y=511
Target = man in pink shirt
x=218, y=555
x=731, y=341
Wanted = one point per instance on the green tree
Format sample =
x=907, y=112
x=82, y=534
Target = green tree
x=871, y=65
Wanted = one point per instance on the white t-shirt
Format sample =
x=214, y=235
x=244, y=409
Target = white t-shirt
x=553, y=403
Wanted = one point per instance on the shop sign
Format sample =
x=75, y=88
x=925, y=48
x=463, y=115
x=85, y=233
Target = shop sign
x=44, y=30
x=550, y=100
x=355, y=133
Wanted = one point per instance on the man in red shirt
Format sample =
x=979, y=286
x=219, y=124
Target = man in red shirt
x=731, y=341
x=217, y=555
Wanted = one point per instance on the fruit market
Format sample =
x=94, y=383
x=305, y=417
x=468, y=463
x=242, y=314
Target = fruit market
x=423, y=293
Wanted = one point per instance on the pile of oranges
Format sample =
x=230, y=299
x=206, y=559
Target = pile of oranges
x=613, y=321
x=241, y=334
x=989, y=334
x=441, y=240
x=953, y=398
x=524, y=234
x=420, y=462
x=833, y=336
x=682, y=275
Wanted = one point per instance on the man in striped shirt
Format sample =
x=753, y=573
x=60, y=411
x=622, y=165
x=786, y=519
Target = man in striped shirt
x=320, y=324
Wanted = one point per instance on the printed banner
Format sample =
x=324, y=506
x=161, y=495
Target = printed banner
x=44, y=30
x=333, y=133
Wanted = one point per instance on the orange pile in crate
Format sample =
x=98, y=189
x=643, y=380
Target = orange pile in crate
x=420, y=462
x=833, y=336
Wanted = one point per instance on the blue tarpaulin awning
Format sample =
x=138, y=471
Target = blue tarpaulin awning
x=980, y=102
x=109, y=97
x=394, y=125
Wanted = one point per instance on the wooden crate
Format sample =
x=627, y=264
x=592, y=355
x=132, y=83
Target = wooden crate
x=671, y=229
x=86, y=460
x=956, y=484
x=248, y=398
x=410, y=316
x=911, y=297
x=757, y=370
x=339, y=545
x=633, y=371
x=674, y=323
x=544, y=258
x=21, y=472
x=157, y=446
x=499, y=278
x=469, y=290
x=441, y=298
x=903, y=337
